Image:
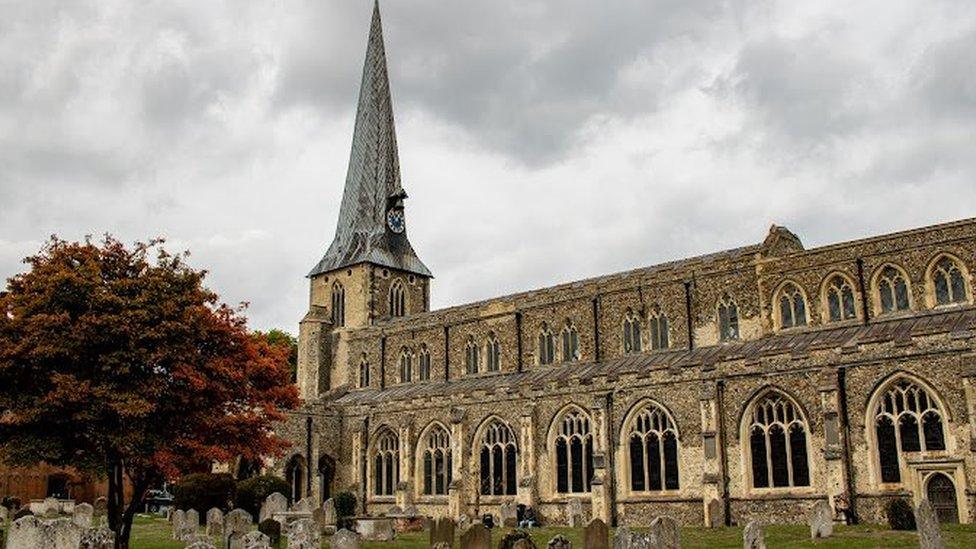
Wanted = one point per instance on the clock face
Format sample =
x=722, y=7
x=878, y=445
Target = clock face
x=395, y=220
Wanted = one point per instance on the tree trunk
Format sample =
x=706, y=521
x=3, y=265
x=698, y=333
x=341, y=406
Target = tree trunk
x=120, y=515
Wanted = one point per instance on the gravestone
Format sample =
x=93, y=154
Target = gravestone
x=101, y=504
x=666, y=533
x=4, y=514
x=215, y=522
x=508, y=513
x=304, y=534
x=394, y=511
x=753, y=536
x=714, y=514
x=344, y=539
x=192, y=518
x=236, y=524
x=31, y=532
x=305, y=505
x=201, y=544
x=442, y=530
x=523, y=544
x=255, y=540
x=63, y=532
x=375, y=528
x=476, y=536
x=574, y=512
x=177, y=519
x=559, y=542
x=596, y=535
x=51, y=507
x=275, y=503
x=463, y=522
x=82, y=515
x=97, y=538
x=328, y=512
x=927, y=524
x=621, y=540
x=820, y=517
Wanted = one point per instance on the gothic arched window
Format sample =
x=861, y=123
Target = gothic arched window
x=570, y=339
x=653, y=450
x=436, y=461
x=907, y=418
x=547, y=347
x=792, y=306
x=398, y=299
x=777, y=447
x=892, y=288
x=386, y=463
x=363, y=372
x=948, y=282
x=338, y=304
x=295, y=472
x=574, y=452
x=632, y=333
x=658, y=325
x=494, y=353
x=406, y=365
x=499, y=460
x=839, y=296
x=423, y=363
x=728, y=318
x=472, y=356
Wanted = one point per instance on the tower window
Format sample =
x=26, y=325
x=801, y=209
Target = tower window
x=363, y=372
x=493, y=352
x=423, y=363
x=547, y=346
x=570, y=339
x=658, y=322
x=632, y=332
x=406, y=366
x=398, y=306
x=472, y=356
x=338, y=304
x=728, y=319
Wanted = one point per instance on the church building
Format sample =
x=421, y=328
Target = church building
x=744, y=384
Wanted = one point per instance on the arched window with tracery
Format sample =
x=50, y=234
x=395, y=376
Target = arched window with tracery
x=398, y=299
x=338, y=304
x=728, y=318
x=573, y=452
x=792, y=306
x=653, y=450
x=893, y=290
x=658, y=326
x=386, y=463
x=839, y=296
x=406, y=365
x=363, y=372
x=295, y=472
x=436, y=461
x=948, y=282
x=499, y=460
x=547, y=347
x=472, y=356
x=777, y=448
x=423, y=363
x=907, y=418
x=493, y=353
x=570, y=337
x=632, y=332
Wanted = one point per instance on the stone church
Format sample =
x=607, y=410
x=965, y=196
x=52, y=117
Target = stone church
x=744, y=384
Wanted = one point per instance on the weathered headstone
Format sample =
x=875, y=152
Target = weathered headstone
x=344, y=539
x=559, y=542
x=714, y=519
x=574, y=512
x=927, y=524
x=97, y=538
x=523, y=543
x=621, y=540
x=63, y=532
x=753, y=536
x=305, y=505
x=177, y=519
x=255, y=540
x=328, y=512
x=192, y=518
x=82, y=515
x=666, y=533
x=476, y=537
x=215, y=522
x=820, y=517
x=236, y=524
x=304, y=534
x=442, y=530
x=101, y=504
x=275, y=503
x=596, y=535
x=375, y=528
x=4, y=513
x=51, y=507
x=508, y=514
x=25, y=533
x=30, y=532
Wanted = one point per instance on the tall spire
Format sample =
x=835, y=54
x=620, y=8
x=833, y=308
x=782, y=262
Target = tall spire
x=373, y=178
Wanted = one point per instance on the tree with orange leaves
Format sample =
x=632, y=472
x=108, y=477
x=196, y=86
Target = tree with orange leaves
x=119, y=362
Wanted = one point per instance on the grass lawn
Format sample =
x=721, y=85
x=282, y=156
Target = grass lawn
x=154, y=533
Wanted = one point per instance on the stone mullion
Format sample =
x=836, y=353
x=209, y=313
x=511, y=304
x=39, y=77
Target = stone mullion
x=712, y=439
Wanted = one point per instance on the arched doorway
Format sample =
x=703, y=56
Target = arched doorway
x=295, y=475
x=941, y=492
x=326, y=475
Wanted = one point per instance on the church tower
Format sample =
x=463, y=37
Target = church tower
x=370, y=272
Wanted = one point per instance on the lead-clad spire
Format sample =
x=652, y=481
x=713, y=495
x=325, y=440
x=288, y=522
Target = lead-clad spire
x=373, y=178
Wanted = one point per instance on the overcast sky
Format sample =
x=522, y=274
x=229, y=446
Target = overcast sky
x=540, y=142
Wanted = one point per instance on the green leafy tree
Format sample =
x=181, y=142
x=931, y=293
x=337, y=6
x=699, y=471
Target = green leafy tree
x=281, y=338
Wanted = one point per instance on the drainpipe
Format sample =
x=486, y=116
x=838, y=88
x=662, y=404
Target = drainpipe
x=611, y=460
x=720, y=401
x=364, y=482
x=447, y=353
x=383, y=362
x=861, y=288
x=689, y=285
x=848, y=466
x=596, y=328
x=518, y=339
x=308, y=455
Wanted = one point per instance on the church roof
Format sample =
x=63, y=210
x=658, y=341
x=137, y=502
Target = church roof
x=373, y=177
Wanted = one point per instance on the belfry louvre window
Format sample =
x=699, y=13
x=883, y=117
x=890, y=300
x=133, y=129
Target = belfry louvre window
x=494, y=353
x=658, y=325
x=437, y=462
x=653, y=449
x=840, y=299
x=728, y=319
x=892, y=290
x=778, y=443
x=423, y=364
x=574, y=453
x=792, y=306
x=570, y=339
x=632, y=333
x=499, y=460
x=472, y=356
x=363, y=373
x=338, y=304
x=547, y=351
x=907, y=419
x=398, y=306
x=386, y=464
x=950, y=286
x=406, y=366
